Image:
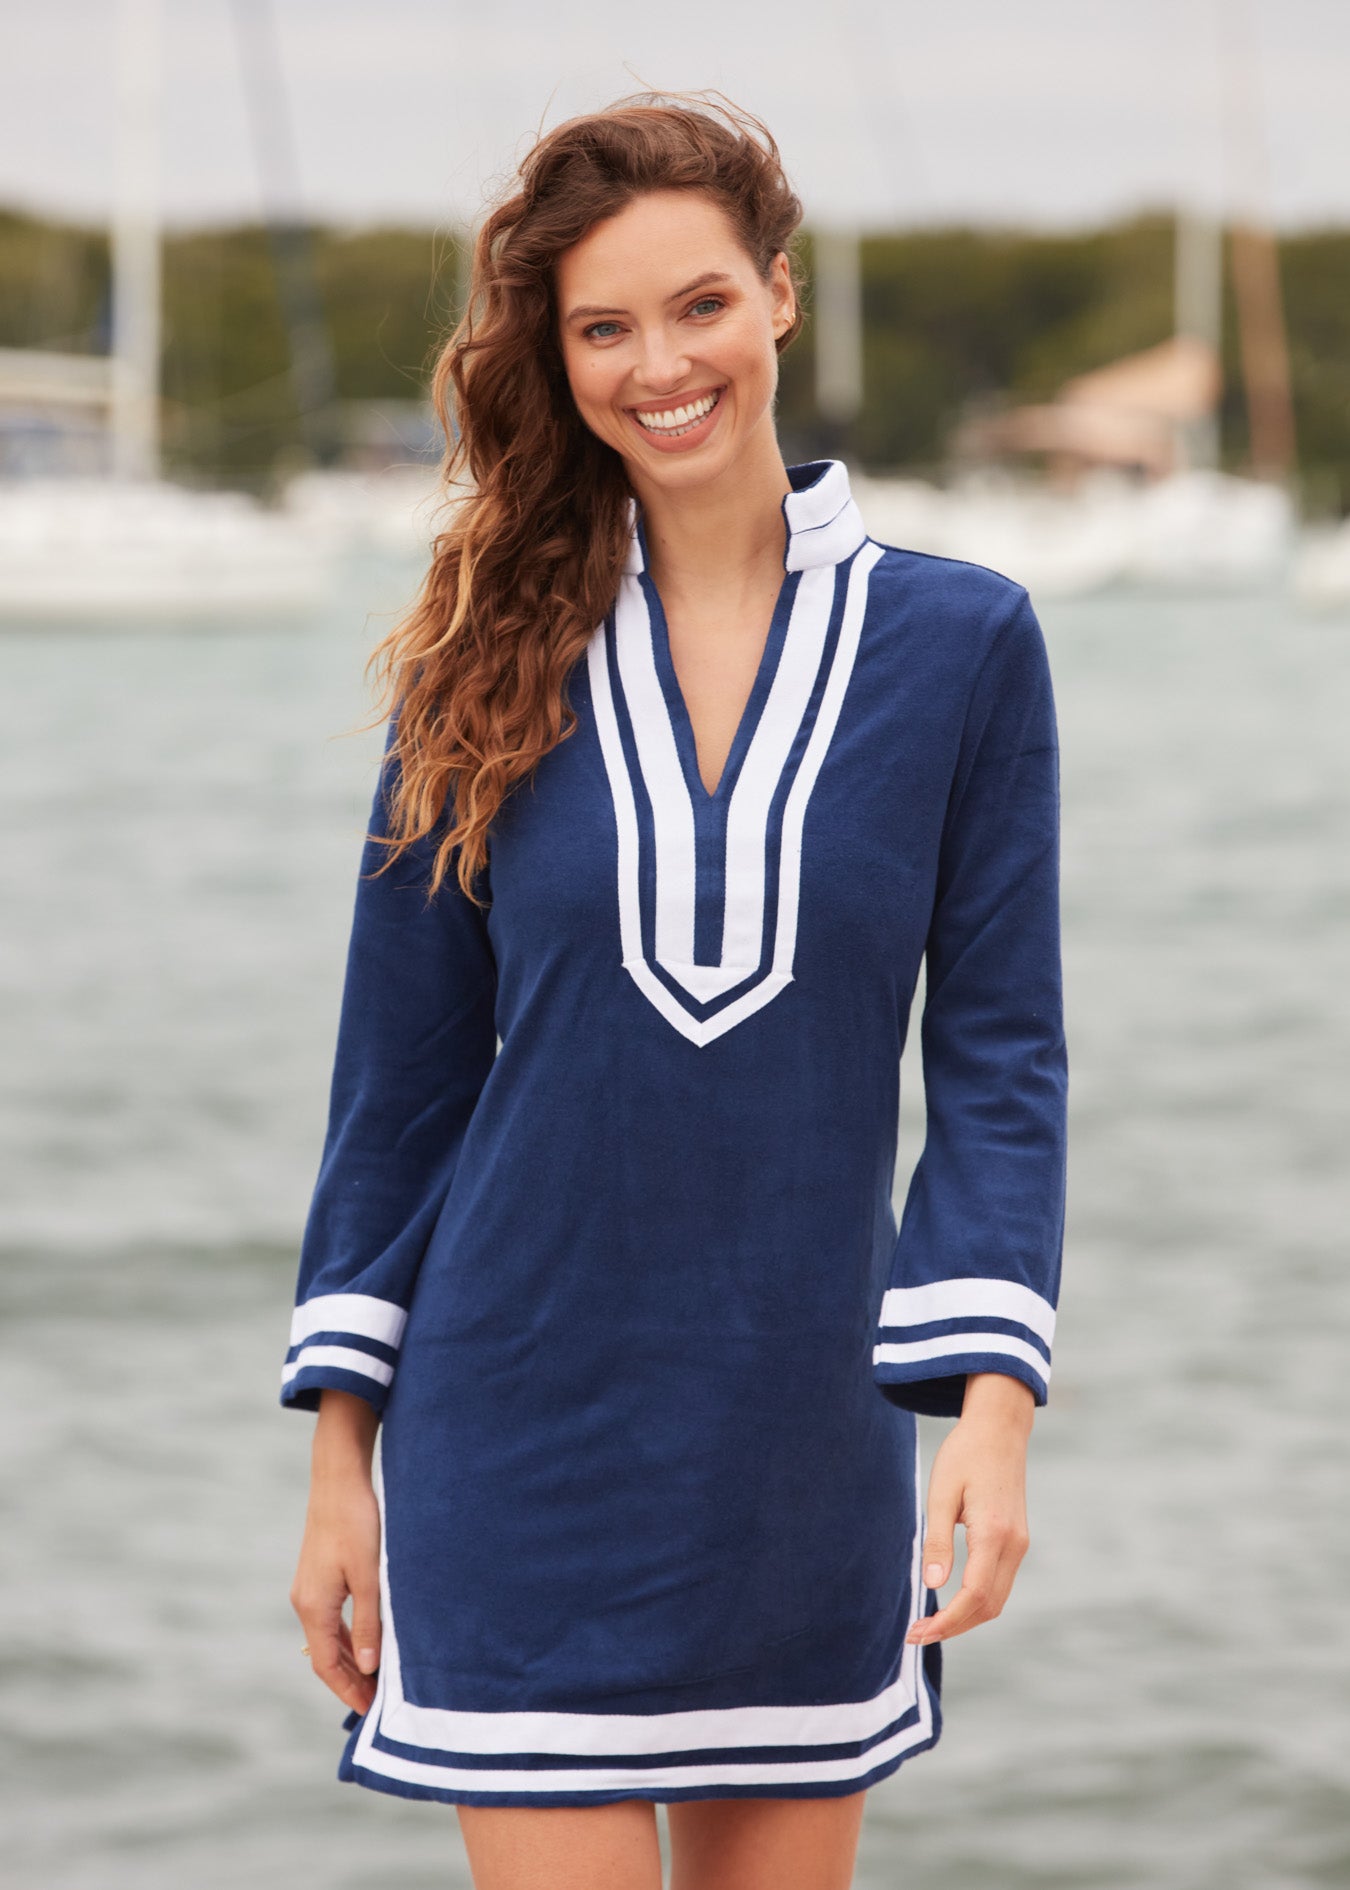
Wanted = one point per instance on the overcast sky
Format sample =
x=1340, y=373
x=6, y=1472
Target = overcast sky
x=889, y=112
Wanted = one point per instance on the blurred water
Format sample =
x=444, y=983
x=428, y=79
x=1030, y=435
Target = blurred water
x=1163, y=1704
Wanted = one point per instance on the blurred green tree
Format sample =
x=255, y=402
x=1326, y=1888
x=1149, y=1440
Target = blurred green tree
x=952, y=316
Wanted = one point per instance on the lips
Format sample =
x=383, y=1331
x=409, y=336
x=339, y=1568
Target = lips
x=683, y=422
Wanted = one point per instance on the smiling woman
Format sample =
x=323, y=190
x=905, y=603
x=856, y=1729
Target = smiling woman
x=601, y=1252
x=681, y=364
x=684, y=379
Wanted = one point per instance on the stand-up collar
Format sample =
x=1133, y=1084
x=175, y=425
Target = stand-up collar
x=822, y=523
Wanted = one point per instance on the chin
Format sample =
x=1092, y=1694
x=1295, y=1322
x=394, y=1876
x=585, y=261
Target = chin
x=708, y=461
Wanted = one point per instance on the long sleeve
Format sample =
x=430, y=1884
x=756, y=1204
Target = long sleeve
x=974, y=1276
x=416, y=1040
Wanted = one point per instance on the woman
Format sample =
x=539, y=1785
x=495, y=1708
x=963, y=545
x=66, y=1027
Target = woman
x=685, y=775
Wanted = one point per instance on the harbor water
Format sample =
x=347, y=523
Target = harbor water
x=1165, y=1702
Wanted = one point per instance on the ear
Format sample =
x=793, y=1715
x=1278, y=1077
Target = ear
x=781, y=290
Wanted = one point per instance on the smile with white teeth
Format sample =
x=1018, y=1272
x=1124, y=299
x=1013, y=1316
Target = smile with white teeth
x=677, y=420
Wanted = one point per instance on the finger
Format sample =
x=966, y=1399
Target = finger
x=997, y=1545
x=1012, y=1548
x=330, y=1653
x=320, y=1614
x=968, y=1603
x=330, y=1661
x=944, y=1509
x=965, y=1610
x=984, y=1589
x=342, y=1677
x=365, y=1629
x=357, y=1688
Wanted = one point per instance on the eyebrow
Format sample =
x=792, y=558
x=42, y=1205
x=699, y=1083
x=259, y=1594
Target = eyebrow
x=699, y=282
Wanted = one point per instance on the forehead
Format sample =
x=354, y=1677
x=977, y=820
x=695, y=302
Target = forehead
x=660, y=238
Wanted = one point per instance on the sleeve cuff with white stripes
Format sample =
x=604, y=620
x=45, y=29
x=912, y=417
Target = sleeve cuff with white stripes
x=929, y=1338
x=342, y=1341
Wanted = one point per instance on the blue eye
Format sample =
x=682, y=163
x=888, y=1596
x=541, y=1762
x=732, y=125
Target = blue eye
x=714, y=302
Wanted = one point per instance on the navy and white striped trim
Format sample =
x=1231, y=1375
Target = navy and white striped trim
x=442, y=1751
x=823, y=520
x=756, y=857
x=348, y=1340
x=950, y=1326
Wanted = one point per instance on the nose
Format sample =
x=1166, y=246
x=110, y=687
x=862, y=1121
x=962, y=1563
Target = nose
x=663, y=364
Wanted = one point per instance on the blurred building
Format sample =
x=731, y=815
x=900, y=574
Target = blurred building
x=53, y=413
x=1137, y=414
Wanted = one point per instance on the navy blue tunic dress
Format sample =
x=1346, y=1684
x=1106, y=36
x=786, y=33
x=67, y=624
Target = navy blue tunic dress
x=603, y=1222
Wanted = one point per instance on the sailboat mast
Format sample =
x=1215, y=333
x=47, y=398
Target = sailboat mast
x=1198, y=312
x=1256, y=269
x=313, y=376
x=838, y=327
x=134, y=406
x=1265, y=349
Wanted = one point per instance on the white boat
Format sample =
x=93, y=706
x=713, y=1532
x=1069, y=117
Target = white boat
x=132, y=544
x=1321, y=570
x=146, y=551
x=1136, y=496
x=1195, y=529
x=395, y=510
x=1208, y=530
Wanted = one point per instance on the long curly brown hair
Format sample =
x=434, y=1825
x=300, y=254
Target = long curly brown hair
x=474, y=675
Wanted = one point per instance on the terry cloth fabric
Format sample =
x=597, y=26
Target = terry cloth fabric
x=627, y=1285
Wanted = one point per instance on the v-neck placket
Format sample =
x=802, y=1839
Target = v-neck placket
x=820, y=524
x=677, y=708
x=708, y=881
x=710, y=809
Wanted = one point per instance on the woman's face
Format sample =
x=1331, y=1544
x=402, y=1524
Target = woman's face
x=668, y=335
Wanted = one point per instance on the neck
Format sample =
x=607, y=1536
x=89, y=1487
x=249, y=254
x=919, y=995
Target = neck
x=728, y=529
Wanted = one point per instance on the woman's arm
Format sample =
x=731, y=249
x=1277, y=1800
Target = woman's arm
x=340, y=1551
x=967, y=1319
x=416, y=1042
x=978, y=1479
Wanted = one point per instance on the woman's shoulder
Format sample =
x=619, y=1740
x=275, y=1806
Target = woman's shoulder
x=954, y=604
x=957, y=584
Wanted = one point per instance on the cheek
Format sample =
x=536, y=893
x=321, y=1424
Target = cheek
x=749, y=343
x=750, y=351
x=592, y=380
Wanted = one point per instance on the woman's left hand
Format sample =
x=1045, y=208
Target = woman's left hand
x=979, y=1480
